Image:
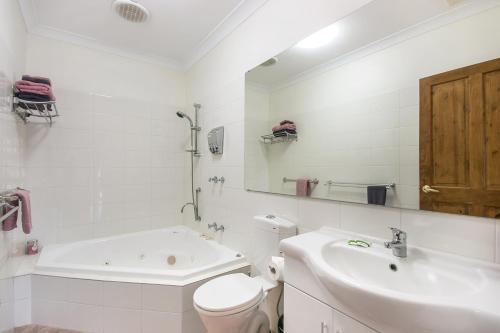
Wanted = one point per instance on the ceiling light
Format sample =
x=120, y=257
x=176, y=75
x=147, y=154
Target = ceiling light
x=320, y=38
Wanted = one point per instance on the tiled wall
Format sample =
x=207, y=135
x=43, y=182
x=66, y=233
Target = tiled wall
x=12, y=51
x=219, y=85
x=113, y=161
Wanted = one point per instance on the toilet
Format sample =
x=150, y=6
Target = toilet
x=237, y=303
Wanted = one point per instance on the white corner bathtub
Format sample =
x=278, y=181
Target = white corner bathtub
x=174, y=256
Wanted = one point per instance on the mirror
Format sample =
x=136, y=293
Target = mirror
x=344, y=103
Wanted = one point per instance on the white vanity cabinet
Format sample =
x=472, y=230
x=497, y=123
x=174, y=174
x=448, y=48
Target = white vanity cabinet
x=305, y=314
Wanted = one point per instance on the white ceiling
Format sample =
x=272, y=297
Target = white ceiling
x=178, y=32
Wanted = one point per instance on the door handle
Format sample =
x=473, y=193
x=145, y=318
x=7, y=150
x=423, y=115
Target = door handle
x=324, y=327
x=428, y=189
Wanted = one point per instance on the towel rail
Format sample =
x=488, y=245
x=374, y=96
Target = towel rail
x=314, y=181
x=389, y=186
x=9, y=213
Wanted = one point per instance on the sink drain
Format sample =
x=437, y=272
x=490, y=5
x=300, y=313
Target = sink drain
x=393, y=267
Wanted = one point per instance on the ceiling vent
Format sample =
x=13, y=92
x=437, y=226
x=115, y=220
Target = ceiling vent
x=131, y=10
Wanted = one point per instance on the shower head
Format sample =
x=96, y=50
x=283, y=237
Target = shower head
x=183, y=115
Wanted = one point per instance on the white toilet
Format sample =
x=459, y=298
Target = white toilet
x=231, y=303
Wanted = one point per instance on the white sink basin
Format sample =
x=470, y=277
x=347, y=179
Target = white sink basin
x=428, y=291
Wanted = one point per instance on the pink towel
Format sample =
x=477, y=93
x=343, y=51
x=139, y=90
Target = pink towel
x=290, y=127
x=35, y=88
x=303, y=188
x=11, y=222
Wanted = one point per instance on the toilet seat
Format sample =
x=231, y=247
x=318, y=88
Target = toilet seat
x=228, y=294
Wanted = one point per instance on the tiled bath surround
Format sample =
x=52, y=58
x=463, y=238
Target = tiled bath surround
x=109, y=307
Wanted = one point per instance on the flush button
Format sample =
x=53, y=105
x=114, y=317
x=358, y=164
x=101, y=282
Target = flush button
x=270, y=217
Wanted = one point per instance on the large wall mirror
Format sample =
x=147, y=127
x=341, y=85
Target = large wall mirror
x=397, y=104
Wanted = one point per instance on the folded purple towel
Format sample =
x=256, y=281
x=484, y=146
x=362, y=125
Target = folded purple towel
x=37, y=79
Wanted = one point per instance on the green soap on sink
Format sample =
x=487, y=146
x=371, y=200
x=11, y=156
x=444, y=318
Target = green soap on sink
x=359, y=242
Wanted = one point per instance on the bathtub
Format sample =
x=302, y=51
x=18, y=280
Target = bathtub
x=175, y=256
x=139, y=283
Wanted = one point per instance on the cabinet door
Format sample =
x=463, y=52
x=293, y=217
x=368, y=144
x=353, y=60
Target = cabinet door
x=304, y=314
x=345, y=324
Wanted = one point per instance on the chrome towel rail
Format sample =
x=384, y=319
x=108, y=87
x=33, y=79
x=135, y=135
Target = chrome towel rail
x=340, y=184
x=314, y=181
x=9, y=213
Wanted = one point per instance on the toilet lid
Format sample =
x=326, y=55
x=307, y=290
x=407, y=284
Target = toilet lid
x=228, y=292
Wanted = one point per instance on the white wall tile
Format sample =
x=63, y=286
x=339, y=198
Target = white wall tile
x=85, y=291
x=163, y=298
x=122, y=295
x=462, y=235
x=155, y=322
x=121, y=320
x=314, y=214
x=22, y=312
x=369, y=219
x=85, y=318
x=22, y=287
x=497, y=257
x=49, y=288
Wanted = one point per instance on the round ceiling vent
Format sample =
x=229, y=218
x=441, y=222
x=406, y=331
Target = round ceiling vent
x=131, y=10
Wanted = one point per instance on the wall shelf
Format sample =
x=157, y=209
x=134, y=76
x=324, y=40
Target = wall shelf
x=284, y=137
x=27, y=109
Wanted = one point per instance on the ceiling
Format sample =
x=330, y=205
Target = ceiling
x=363, y=31
x=178, y=33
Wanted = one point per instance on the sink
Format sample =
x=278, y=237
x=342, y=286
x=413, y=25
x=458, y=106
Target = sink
x=428, y=291
x=417, y=275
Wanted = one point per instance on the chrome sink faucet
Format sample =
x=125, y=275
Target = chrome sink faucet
x=398, y=243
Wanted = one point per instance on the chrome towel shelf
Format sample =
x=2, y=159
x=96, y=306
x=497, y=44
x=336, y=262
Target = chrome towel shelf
x=285, y=137
x=339, y=184
x=314, y=181
x=27, y=109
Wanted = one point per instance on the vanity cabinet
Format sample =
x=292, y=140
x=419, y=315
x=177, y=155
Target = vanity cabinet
x=305, y=314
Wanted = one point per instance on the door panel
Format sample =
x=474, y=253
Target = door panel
x=449, y=133
x=492, y=111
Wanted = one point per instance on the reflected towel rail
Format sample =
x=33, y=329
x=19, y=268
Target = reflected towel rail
x=339, y=184
x=314, y=181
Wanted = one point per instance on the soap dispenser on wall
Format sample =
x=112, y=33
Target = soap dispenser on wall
x=216, y=140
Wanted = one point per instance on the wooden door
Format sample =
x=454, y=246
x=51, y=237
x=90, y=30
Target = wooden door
x=460, y=141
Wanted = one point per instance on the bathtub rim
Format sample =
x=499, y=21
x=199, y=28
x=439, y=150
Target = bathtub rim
x=151, y=276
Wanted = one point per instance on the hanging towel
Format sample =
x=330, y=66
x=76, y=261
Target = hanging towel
x=376, y=195
x=24, y=200
x=303, y=188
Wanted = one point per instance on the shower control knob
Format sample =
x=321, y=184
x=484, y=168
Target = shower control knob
x=213, y=179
